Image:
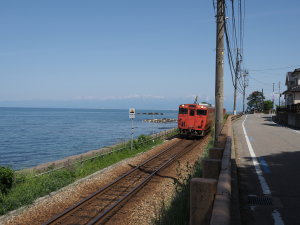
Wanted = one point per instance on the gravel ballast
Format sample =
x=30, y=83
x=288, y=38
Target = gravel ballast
x=141, y=209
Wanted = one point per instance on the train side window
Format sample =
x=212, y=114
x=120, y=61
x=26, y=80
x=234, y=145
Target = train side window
x=183, y=111
x=201, y=112
x=192, y=112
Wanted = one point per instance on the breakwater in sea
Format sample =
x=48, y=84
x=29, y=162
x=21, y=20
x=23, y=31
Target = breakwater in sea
x=29, y=137
x=163, y=120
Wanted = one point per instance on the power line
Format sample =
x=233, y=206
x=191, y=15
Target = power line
x=258, y=80
x=229, y=53
x=278, y=68
x=214, y=5
x=234, y=45
x=267, y=73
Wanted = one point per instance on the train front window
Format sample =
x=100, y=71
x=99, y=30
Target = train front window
x=192, y=112
x=201, y=112
x=183, y=111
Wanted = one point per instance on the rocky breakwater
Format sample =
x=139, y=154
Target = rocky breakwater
x=149, y=113
x=163, y=120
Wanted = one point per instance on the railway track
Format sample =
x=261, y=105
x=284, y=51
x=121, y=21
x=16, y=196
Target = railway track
x=101, y=205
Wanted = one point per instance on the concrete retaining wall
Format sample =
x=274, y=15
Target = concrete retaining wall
x=291, y=119
x=216, y=182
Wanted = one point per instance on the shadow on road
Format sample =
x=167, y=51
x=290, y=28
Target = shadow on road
x=271, y=124
x=281, y=172
x=266, y=117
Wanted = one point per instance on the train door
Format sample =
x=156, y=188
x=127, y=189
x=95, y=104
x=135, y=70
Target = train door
x=202, y=118
x=183, y=118
x=192, y=121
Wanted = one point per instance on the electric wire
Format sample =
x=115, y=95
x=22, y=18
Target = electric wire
x=232, y=61
x=278, y=68
x=234, y=42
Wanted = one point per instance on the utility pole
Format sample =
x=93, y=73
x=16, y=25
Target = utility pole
x=245, y=84
x=262, y=99
x=237, y=72
x=279, y=94
x=219, y=90
x=273, y=95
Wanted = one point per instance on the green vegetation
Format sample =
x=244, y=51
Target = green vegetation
x=225, y=118
x=27, y=187
x=177, y=212
x=6, y=179
x=268, y=104
x=256, y=101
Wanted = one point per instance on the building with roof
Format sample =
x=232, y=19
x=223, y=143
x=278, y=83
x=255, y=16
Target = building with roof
x=292, y=94
x=290, y=113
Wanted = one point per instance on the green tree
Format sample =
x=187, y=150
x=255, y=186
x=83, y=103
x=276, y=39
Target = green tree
x=6, y=179
x=256, y=101
x=268, y=104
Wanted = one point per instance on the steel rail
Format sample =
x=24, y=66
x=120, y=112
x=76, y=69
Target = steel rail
x=137, y=188
x=100, y=216
x=105, y=187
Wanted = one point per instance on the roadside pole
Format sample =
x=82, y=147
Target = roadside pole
x=273, y=96
x=219, y=90
x=237, y=72
x=132, y=116
x=279, y=94
x=245, y=74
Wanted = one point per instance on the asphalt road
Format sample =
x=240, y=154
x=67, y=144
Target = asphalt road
x=268, y=160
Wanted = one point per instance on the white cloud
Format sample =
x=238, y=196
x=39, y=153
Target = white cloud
x=135, y=96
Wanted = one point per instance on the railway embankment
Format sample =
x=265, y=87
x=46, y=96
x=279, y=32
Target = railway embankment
x=157, y=194
x=44, y=180
x=141, y=209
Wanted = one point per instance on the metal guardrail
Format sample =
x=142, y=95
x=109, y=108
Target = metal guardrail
x=154, y=137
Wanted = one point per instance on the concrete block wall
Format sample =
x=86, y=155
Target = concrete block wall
x=202, y=194
x=216, y=182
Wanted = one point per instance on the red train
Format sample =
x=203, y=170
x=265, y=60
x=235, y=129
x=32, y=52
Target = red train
x=195, y=119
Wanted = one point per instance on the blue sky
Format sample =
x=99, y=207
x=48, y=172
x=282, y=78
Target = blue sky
x=136, y=53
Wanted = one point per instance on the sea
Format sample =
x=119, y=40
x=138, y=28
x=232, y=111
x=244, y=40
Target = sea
x=32, y=136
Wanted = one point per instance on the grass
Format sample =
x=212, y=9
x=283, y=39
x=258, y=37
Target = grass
x=28, y=187
x=177, y=212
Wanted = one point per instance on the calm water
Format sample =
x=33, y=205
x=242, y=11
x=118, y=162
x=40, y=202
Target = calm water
x=29, y=136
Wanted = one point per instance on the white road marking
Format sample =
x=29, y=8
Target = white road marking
x=265, y=187
x=263, y=183
x=277, y=218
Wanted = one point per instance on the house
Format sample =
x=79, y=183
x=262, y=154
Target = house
x=292, y=94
